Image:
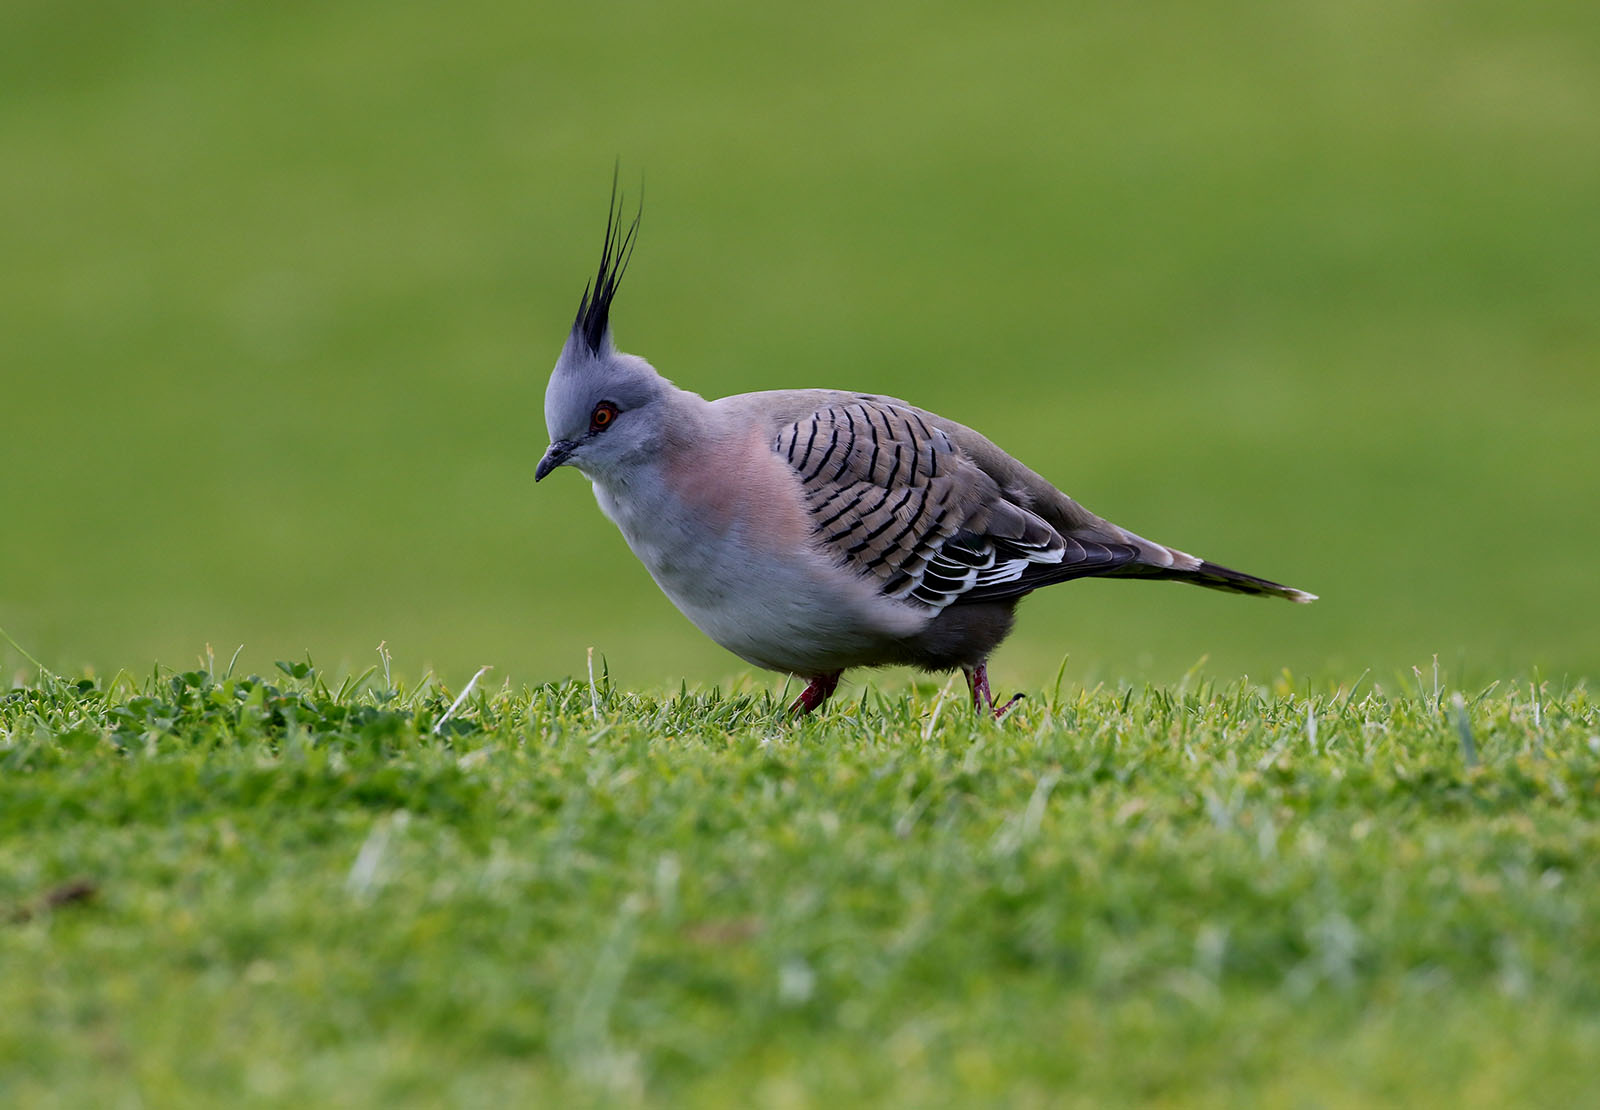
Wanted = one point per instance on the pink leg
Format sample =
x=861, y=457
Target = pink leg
x=819, y=691
x=978, y=682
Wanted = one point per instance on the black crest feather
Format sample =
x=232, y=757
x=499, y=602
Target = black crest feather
x=594, y=310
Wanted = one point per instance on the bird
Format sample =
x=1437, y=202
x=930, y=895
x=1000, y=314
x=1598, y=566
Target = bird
x=812, y=531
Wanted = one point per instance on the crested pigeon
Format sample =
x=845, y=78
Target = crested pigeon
x=809, y=531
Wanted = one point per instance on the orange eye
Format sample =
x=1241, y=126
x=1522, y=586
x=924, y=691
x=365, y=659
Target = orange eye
x=602, y=416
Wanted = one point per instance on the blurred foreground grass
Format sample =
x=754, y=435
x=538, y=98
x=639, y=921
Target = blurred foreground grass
x=266, y=891
x=1308, y=289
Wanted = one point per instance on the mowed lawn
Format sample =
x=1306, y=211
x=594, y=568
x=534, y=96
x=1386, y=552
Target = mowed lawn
x=255, y=891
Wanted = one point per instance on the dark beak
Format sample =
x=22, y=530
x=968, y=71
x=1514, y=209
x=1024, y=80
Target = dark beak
x=559, y=450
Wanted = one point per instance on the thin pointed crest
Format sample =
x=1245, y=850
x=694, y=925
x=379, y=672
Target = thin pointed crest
x=594, y=310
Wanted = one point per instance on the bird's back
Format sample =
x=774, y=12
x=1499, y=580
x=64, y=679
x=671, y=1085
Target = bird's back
x=862, y=451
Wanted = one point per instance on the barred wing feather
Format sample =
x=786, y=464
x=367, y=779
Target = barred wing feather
x=894, y=499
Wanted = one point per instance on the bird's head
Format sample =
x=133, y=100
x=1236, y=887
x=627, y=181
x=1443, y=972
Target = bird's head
x=602, y=407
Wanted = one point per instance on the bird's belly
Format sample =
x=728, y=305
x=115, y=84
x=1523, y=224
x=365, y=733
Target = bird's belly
x=779, y=611
x=773, y=621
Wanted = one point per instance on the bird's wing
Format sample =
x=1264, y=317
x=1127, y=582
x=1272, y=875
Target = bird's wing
x=894, y=498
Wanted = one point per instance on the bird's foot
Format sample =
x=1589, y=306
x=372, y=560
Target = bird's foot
x=1002, y=710
x=978, y=683
x=820, y=690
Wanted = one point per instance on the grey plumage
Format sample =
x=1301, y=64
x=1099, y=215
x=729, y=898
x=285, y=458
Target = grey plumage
x=894, y=498
x=811, y=531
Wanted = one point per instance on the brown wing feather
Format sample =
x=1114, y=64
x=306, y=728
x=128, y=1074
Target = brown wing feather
x=893, y=497
x=977, y=525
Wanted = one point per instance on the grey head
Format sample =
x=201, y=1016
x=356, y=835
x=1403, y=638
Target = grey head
x=603, y=408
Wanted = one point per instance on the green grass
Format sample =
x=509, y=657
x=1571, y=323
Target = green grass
x=226, y=890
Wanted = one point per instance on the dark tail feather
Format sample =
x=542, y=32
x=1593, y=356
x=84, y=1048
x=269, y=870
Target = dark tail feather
x=1213, y=577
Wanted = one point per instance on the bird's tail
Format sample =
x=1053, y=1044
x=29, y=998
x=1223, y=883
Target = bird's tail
x=1155, y=560
x=1213, y=577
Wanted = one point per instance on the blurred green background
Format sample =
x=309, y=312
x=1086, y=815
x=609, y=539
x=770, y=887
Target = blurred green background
x=1310, y=289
